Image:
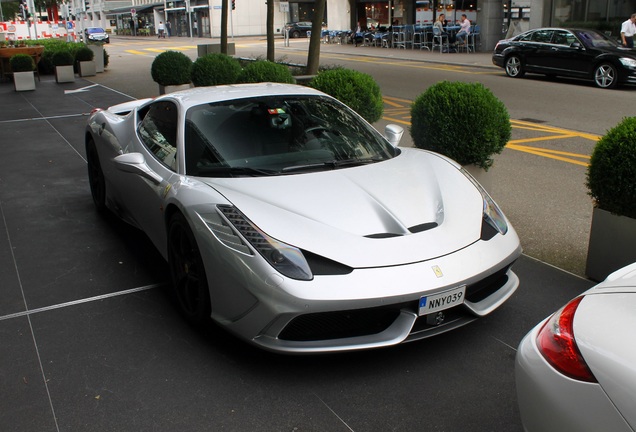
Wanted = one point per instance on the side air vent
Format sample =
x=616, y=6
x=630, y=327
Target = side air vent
x=225, y=233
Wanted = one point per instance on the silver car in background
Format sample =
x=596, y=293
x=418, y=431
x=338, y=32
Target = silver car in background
x=576, y=371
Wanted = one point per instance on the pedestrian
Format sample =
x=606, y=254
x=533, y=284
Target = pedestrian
x=161, y=30
x=358, y=36
x=168, y=28
x=628, y=29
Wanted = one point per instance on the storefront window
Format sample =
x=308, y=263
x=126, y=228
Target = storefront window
x=604, y=15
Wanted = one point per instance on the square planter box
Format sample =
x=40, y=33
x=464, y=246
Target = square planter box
x=173, y=88
x=64, y=74
x=612, y=240
x=205, y=49
x=24, y=81
x=87, y=68
x=98, y=50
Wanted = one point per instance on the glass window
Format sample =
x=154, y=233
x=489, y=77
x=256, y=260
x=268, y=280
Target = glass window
x=562, y=37
x=158, y=131
x=542, y=36
x=278, y=135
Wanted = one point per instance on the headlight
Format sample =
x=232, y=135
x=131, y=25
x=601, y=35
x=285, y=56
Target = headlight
x=628, y=62
x=286, y=259
x=493, y=215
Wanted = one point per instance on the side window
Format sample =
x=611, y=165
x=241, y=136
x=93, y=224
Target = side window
x=542, y=36
x=562, y=37
x=158, y=131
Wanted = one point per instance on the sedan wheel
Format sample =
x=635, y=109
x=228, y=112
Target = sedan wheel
x=295, y=34
x=188, y=273
x=513, y=67
x=96, y=176
x=605, y=76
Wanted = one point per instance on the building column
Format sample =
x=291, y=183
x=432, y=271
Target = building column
x=490, y=17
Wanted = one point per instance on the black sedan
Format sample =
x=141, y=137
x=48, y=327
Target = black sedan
x=298, y=29
x=578, y=53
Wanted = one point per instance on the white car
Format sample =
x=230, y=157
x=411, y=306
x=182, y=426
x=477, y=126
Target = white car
x=294, y=224
x=576, y=371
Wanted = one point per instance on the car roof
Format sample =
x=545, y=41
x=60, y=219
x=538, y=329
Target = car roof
x=202, y=95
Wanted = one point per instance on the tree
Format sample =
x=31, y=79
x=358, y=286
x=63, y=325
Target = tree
x=270, y=30
x=224, y=26
x=313, y=56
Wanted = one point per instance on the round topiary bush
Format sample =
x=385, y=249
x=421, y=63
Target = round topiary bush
x=463, y=121
x=171, y=68
x=357, y=90
x=62, y=58
x=215, y=69
x=84, y=54
x=21, y=63
x=611, y=175
x=265, y=71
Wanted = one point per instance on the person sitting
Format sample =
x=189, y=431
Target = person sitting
x=441, y=25
x=464, y=30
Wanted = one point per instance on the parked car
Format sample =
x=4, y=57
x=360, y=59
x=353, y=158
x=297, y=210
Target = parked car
x=96, y=34
x=578, y=53
x=297, y=226
x=576, y=371
x=298, y=29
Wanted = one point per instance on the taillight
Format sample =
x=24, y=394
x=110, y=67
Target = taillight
x=557, y=345
x=94, y=110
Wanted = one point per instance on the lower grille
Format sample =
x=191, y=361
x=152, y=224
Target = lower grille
x=341, y=324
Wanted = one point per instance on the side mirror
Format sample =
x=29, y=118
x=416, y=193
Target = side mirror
x=135, y=163
x=393, y=134
x=576, y=45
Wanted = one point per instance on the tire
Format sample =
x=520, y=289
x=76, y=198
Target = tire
x=96, y=177
x=606, y=76
x=189, y=280
x=295, y=34
x=513, y=67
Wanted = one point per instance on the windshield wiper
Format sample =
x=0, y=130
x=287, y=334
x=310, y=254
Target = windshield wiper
x=332, y=164
x=225, y=171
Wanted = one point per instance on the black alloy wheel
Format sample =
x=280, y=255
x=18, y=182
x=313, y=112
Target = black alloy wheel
x=188, y=273
x=513, y=67
x=96, y=176
x=606, y=76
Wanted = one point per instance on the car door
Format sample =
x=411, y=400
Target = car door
x=567, y=55
x=144, y=195
x=540, y=58
x=530, y=47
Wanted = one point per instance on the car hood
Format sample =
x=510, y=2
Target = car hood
x=620, y=51
x=414, y=207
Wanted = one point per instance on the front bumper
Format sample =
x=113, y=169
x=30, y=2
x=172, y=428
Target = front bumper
x=367, y=308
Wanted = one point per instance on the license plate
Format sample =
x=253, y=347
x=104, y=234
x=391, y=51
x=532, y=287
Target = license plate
x=444, y=300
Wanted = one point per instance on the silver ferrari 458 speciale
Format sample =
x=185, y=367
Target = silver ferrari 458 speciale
x=295, y=225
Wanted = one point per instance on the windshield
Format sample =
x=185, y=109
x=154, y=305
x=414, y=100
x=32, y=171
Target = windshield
x=278, y=135
x=92, y=30
x=592, y=39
